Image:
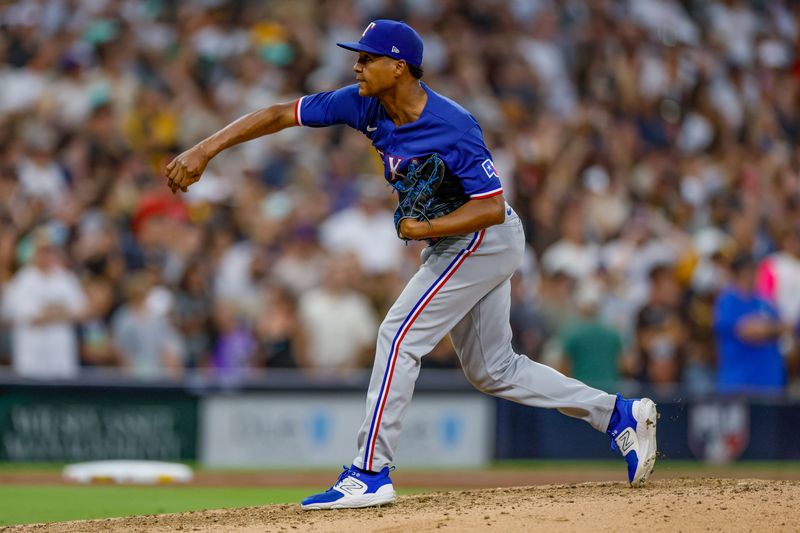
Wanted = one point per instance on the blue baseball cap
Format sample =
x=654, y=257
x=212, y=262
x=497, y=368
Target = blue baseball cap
x=390, y=38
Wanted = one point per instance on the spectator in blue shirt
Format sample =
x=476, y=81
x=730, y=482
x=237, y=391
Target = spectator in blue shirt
x=747, y=330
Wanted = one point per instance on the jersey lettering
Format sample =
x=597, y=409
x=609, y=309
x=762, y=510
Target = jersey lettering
x=394, y=165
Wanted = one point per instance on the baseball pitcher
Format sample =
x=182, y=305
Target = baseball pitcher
x=450, y=195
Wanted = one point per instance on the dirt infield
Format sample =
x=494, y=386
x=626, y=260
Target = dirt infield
x=667, y=505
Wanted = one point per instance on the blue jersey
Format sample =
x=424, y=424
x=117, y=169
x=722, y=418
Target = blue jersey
x=444, y=127
x=744, y=364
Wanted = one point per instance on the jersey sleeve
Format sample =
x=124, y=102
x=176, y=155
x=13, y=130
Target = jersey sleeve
x=471, y=162
x=342, y=106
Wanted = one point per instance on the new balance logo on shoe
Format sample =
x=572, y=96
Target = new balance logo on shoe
x=625, y=440
x=351, y=486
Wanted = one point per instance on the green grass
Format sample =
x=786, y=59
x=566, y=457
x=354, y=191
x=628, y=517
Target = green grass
x=30, y=467
x=24, y=504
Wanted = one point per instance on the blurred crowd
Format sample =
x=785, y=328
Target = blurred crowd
x=652, y=148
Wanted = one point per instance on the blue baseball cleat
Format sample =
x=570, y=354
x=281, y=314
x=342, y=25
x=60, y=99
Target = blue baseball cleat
x=634, y=436
x=354, y=489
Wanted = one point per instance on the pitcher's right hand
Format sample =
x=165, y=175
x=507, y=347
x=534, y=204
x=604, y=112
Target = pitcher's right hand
x=186, y=168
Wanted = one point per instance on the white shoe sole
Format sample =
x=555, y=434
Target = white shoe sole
x=381, y=497
x=646, y=417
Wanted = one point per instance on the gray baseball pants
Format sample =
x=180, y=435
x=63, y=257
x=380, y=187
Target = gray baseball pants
x=463, y=288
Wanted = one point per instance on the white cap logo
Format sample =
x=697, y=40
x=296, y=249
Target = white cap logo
x=395, y=50
x=369, y=27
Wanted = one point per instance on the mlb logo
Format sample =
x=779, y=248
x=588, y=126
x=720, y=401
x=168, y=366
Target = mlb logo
x=719, y=431
x=488, y=167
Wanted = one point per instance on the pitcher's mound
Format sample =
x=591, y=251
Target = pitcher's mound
x=668, y=505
